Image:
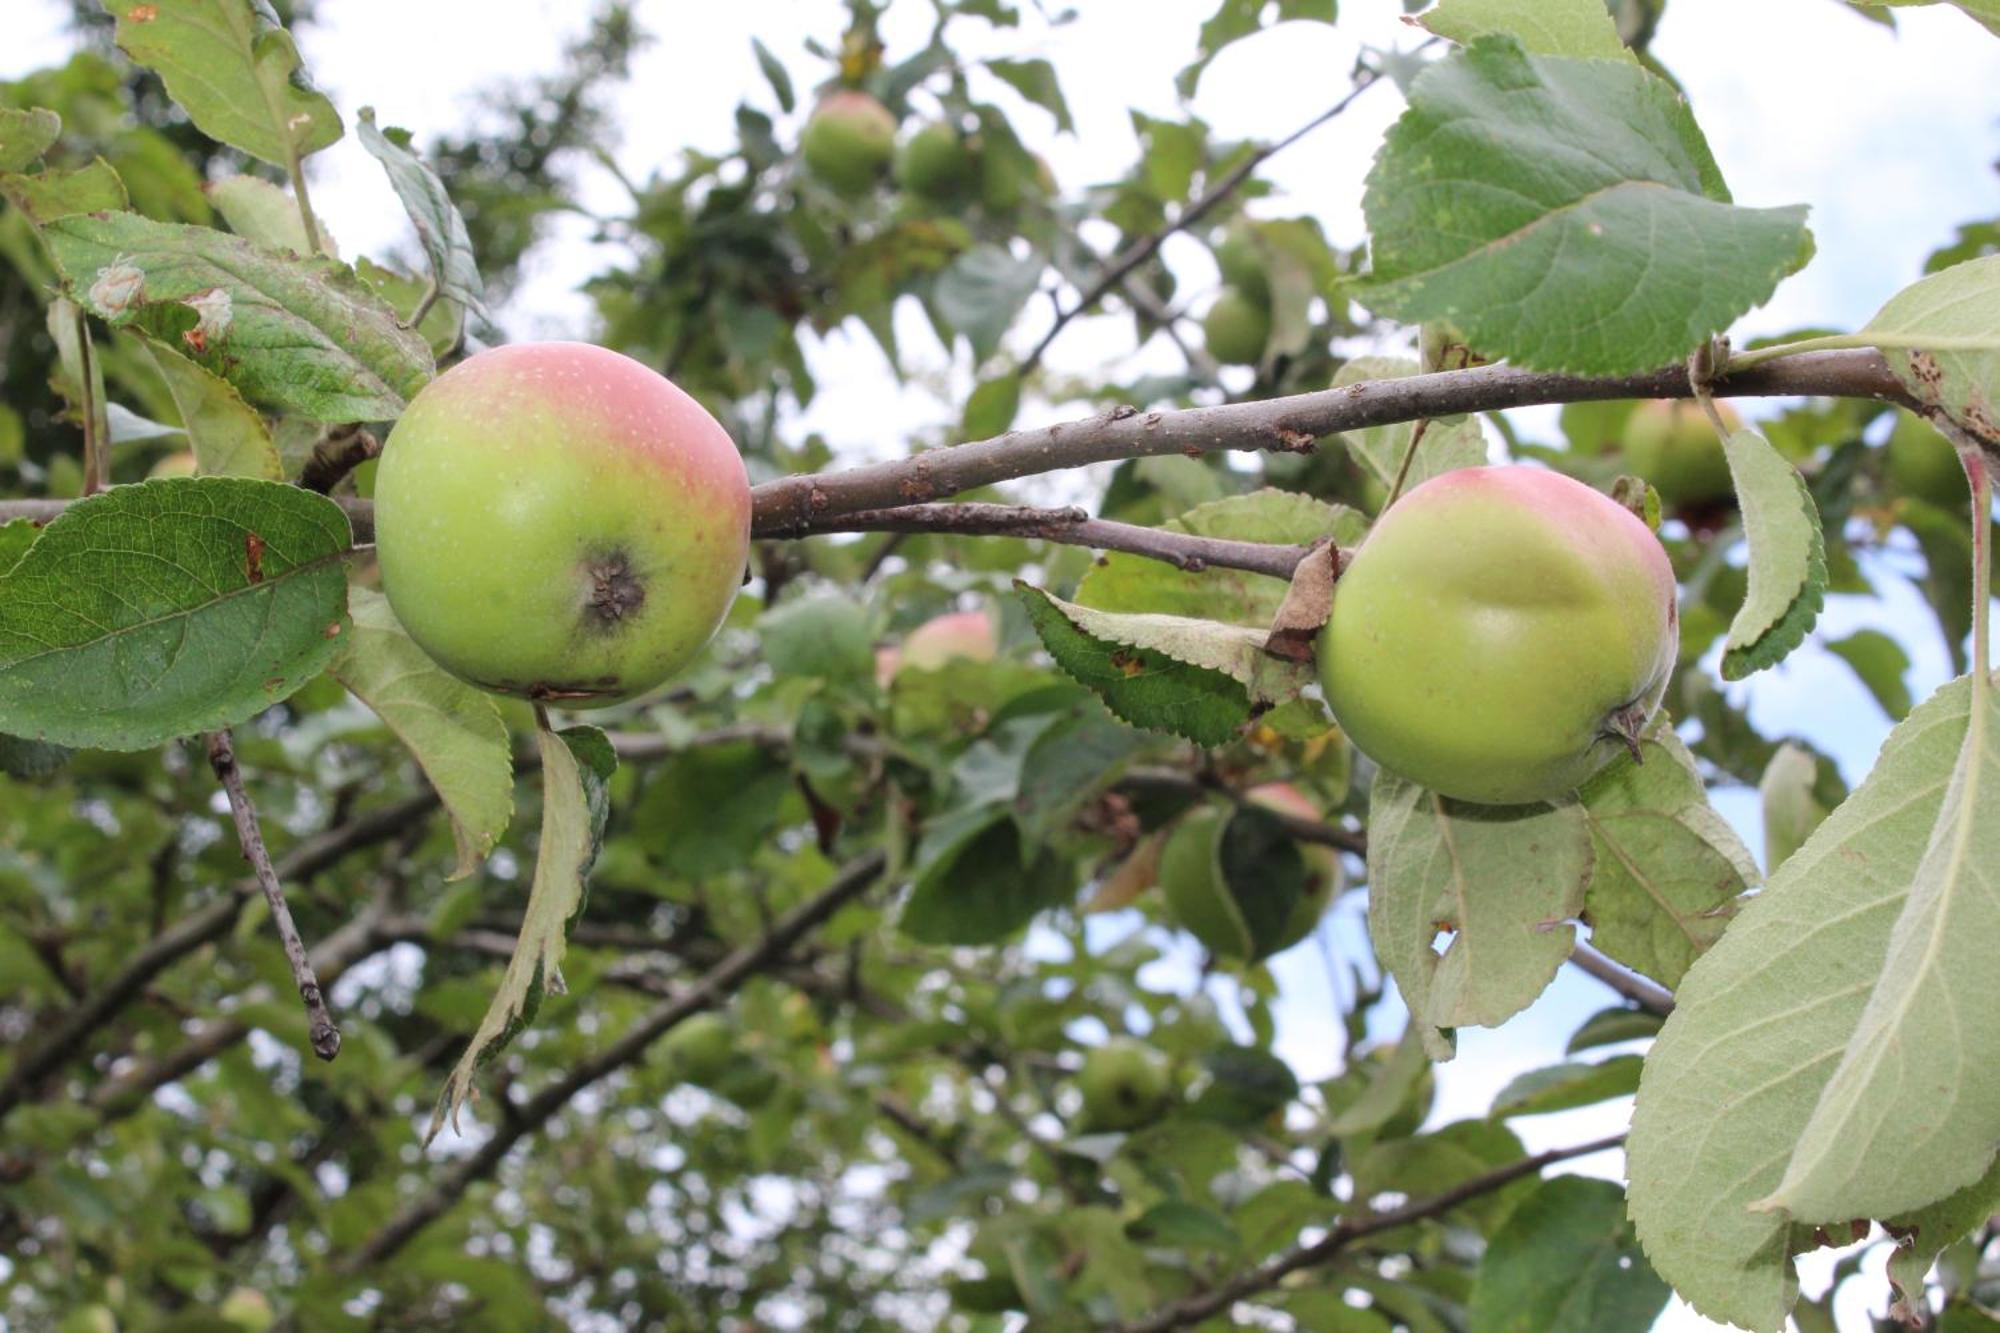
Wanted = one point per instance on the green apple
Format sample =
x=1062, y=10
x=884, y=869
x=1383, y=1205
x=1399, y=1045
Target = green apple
x=935, y=164
x=1207, y=906
x=1673, y=445
x=1236, y=328
x=1500, y=635
x=959, y=636
x=558, y=522
x=248, y=1309
x=701, y=1049
x=1242, y=266
x=1923, y=463
x=1124, y=1084
x=849, y=140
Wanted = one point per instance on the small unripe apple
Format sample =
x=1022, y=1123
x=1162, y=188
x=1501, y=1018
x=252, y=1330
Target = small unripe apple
x=934, y=164
x=1923, y=463
x=1124, y=1084
x=1243, y=268
x=557, y=521
x=849, y=140
x=248, y=1309
x=1502, y=633
x=969, y=636
x=1236, y=328
x=701, y=1049
x=1225, y=917
x=1673, y=445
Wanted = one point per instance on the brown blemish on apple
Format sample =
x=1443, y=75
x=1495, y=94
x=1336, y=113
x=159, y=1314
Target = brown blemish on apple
x=611, y=591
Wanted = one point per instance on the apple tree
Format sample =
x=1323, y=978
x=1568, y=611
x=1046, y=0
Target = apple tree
x=831, y=970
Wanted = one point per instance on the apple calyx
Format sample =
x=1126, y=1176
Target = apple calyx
x=1625, y=726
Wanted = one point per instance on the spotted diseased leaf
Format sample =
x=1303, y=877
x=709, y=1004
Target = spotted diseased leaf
x=1941, y=336
x=26, y=135
x=1912, y=1112
x=577, y=765
x=1147, y=689
x=1762, y=1020
x=1565, y=214
x=1667, y=870
x=1503, y=881
x=292, y=335
x=1787, y=557
x=440, y=227
x=153, y=611
x=454, y=731
x=1580, y=28
x=235, y=70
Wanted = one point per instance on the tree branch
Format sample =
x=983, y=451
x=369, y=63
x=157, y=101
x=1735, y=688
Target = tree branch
x=709, y=990
x=344, y=449
x=1642, y=991
x=1136, y=254
x=321, y=1034
x=1072, y=527
x=1194, y=1309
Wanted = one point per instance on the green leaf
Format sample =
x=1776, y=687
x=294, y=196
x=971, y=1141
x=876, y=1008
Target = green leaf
x=1931, y=1229
x=1147, y=689
x=440, y=227
x=1504, y=881
x=1667, y=869
x=979, y=882
x=48, y=195
x=1566, y=214
x=26, y=135
x=982, y=291
x=1179, y=1225
x=1448, y=443
x=706, y=810
x=15, y=539
x=153, y=611
x=1761, y=1021
x=1941, y=336
x=1881, y=664
x=1787, y=557
x=300, y=336
x=1792, y=807
x=1912, y=1113
x=1246, y=1086
x=1236, y=651
x=775, y=75
x=576, y=768
x=1236, y=19
x=1565, y=1261
x=1608, y=1027
x=1390, y=1085
x=229, y=438
x=1122, y=582
x=1579, y=28
x=1435, y=1162
x=31, y=759
x=1984, y=12
x=991, y=407
x=235, y=71
x=1566, y=1087
x=259, y=211
x=454, y=731
x=1036, y=80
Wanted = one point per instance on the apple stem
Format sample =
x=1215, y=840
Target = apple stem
x=1980, y=474
x=1703, y=366
x=1403, y=467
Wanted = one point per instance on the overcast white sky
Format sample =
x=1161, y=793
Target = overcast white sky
x=1889, y=137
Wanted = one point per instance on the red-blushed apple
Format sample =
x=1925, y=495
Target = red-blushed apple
x=958, y=635
x=849, y=140
x=1500, y=635
x=1673, y=445
x=559, y=522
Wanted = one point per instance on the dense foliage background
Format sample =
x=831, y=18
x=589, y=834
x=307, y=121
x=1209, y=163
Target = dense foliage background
x=918, y=891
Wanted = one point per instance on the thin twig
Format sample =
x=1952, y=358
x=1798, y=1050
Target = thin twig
x=309, y=223
x=1195, y=1309
x=323, y=1036
x=1642, y=991
x=1149, y=245
x=1409, y=456
x=709, y=990
x=1073, y=527
x=344, y=449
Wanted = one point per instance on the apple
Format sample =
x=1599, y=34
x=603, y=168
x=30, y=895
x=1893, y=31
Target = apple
x=1124, y=1084
x=701, y=1049
x=558, y=522
x=247, y=1309
x=178, y=464
x=1242, y=266
x=1201, y=899
x=934, y=164
x=1673, y=445
x=969, y=636
x=1236, y=328
x=849, y=140
x=1923, y=463
x=1500, y=635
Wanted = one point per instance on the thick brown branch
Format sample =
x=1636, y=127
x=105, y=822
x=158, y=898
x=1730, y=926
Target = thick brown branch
x=321, y=1034
x=1195, y=1309
x=711, y=989
x=790, y=505
x=1073, y=527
